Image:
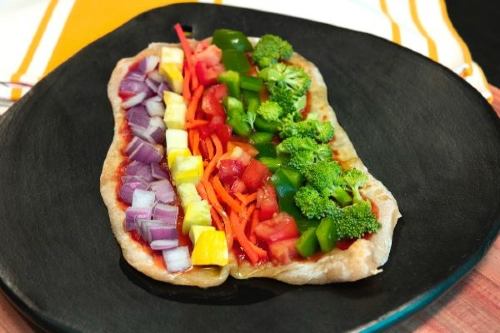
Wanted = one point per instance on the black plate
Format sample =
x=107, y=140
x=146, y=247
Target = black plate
x=428, y=136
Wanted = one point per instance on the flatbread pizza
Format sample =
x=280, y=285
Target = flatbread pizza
x=228, y=160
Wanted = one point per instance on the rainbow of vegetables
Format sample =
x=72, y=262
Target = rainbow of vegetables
x=224, y=157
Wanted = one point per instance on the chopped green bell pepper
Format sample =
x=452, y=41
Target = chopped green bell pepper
x=261, y=137
x=232, y=81
x=307, y=245
x=266, y=126
x=231, y=39
x=266, y=149
x=236, y=117
x=326, y=234
x=235, y=60
x=273, y=163
x=251, y=83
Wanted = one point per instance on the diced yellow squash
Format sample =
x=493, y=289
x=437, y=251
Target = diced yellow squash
x=210, y=249
x=188, y=194
x=174, y=153
x=197, y=230
x=172, y=55
x=170, y=97
x=197, y=213
x=173, y=75
x=187, y=169
x=175, y=116
x=176, y=139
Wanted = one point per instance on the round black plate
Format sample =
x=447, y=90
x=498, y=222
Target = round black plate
x=428, y=136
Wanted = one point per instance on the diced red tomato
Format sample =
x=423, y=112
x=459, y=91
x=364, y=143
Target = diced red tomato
x=238, y=187
x=207, y=74
x=209, y=54
x=345, y=243
x=255, y=175
x=267, y=202
x=224, y=133
x=280, y=227
x=284, y=251
x=229, y=171
x=211, y=103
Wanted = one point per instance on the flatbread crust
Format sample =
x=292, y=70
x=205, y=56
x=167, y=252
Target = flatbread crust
x=362, y=259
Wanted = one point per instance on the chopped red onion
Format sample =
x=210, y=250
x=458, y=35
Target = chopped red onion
x=155, y=106
x=177, y=260
x=163, y=190
x=164, y=244
x=138, y=116
x=161, y=88
x=135, y=76
x=134, y=100
x=151, y=230
x=132, y=214
x=157, y=171
x=139, y=169
x=145, y=152
x=127, y=190
x=132, y=87
x=166, y=213
x=132, y=145
x=152, y=84
x=148, y=64
x=156, y=77
x=143, y=199
x=152, y=134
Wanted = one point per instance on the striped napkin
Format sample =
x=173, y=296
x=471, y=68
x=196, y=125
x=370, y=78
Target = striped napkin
x=41, y=34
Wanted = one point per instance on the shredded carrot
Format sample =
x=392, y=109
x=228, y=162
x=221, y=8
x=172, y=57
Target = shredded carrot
x=186, y=91
x=196, y=123
x=246, y=199
x=188, y=53
x=248, y=215
x=196, y=142
x=210, y=149
x=212, y=198
x=216, y=218
x=210, y=167
x=193, y=105
x=203, y=149
x=224, y=195
x=255, y=221
x=252, y=251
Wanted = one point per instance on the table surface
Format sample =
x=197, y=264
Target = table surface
x=473, y=304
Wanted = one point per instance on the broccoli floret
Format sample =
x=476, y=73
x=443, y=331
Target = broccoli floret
x=287, y=86
x=313, y=205
x=355, y=178
x=326, y=177
x=270, y=111
x=312, y=128
x=355, y=221
x=270, y=49
x=303, y=152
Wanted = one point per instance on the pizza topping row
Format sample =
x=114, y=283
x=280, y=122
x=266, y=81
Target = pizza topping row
x=246, y=168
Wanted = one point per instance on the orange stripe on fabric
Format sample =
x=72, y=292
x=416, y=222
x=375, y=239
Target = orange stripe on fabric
x=218, y=2
x=17, y=92
x=91, y=19
x=460, y=41
x=430, y=42
x=396, y=32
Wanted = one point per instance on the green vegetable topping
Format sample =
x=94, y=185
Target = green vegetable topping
x=236, y=116
x=314, y=205
x=307, y=244
x=270, y=49
x=355, y=178
x=235, y=60
x=355, y=221
x=312, y=128
x=304, y=152
x=287, y=86
x=270, y=110
x=231, y=39
x=232, y=81
x=326, y=177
